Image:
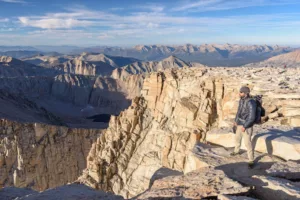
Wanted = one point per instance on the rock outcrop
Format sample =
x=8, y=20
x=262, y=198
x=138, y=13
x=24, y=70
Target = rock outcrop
x=157, y=130
x=175, y=110
x=42, y=156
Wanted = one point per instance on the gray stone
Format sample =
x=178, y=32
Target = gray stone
x=276, y=188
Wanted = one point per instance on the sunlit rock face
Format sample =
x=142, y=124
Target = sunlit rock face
x=172, y=111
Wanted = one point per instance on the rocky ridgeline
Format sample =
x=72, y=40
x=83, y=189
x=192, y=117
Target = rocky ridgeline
x=157, y=131
x=288, y=60
x=11, y=67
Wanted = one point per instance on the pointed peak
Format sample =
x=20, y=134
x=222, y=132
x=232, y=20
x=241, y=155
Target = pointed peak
x=171, y=58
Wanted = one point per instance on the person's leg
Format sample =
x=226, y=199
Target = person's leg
x=238, y=139
x=248, y=143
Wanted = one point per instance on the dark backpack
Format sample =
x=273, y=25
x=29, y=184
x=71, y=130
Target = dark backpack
x=260, y=111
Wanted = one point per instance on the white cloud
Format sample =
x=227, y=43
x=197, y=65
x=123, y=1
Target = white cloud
x=13, y=1
x=196, y=4
x=86, y=18
x=154, y=8
x=213, y=5
x=62, y=27
x=54, y=23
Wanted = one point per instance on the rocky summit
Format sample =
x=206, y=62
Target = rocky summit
x=171, y=141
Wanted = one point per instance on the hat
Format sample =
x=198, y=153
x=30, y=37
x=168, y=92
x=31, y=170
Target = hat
x=245, y=90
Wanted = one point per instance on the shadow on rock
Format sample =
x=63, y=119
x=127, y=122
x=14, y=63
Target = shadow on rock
x=272, y=134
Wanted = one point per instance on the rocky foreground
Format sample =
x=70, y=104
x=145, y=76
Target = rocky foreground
x=157, y=131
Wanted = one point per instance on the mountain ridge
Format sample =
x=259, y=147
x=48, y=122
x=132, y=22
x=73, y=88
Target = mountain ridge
x=291, y=59
x=208, y=54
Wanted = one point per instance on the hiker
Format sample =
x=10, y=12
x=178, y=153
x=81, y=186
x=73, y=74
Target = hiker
x=244, y=121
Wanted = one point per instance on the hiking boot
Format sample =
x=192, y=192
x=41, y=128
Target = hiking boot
x=235, y=154
x=250, y=164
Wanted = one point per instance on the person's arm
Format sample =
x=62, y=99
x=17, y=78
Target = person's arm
x=238, y=112
x=252, y=114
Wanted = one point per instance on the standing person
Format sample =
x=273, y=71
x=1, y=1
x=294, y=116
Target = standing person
x=244, y=121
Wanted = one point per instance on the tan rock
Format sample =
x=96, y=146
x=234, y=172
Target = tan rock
x=273, y=115
x=277, y=142
x=290, y=112
x=54, y=157
x=295, y=121
x=193, y=163
x=285, y=96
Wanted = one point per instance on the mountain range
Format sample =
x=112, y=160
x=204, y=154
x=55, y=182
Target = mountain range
x=208, y=54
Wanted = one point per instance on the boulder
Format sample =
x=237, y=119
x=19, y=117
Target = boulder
x=279, y=141
x=276, y=188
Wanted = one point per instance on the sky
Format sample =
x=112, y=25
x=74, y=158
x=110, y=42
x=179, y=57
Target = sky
x=134, y=22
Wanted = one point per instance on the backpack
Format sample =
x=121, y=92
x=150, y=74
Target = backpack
x=260, y=111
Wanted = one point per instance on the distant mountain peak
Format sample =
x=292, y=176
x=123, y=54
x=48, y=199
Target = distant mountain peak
x=171, y=58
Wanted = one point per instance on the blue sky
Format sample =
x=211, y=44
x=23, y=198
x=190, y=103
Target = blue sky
x=132, y=22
